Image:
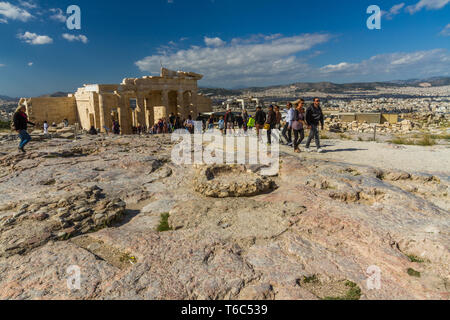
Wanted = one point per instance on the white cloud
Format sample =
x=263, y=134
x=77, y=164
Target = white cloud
x=242, y=61
x=214, y=42
x=343, y=66
x=28, y=4
x=393, y=11
x=427, y=4
x=401, y=65
x=34, y=39
x=446, y=31
x=71, y=38
x=9, y=11
x=1, y=65
x=30, y=64
x=58, y=15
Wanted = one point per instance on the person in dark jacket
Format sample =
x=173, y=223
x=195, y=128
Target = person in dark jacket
x=116, y=127
x=245, y=118
x=260, y=120
x=271, y=121
x=239, y=122
x=21, y=122
x=314, y=117
x=93, y=131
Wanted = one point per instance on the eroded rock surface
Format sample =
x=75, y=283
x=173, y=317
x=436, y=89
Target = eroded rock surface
x=312, y=232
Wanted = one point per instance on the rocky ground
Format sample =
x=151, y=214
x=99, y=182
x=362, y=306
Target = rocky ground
x=141, y=227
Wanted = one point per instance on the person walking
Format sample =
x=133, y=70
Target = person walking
x=211, y=122
x=245, y=118
x=278, y=118
x=240, y=123
x=229, y=121
x=222, y=125
x=260, y=120
x=251, y=122
x=172, y=120
x=21, y=123
x=45, y=127
x=298, y=124
x=189, y=124
x=288, y=126
x=271, y=122
x=314, y=117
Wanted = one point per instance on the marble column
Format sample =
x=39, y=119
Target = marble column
x=141, y=110
x=194, y=108
x=125, y=115
x=101, y=106
x=149, y=113
x=165, y=99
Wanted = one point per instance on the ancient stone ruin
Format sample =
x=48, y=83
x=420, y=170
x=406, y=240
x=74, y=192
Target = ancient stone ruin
x=135, y=102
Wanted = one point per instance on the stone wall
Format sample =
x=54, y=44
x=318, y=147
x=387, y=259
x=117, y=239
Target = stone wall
x=204, y=104
x=377, y=118
x=52, y=110
x=160, y=113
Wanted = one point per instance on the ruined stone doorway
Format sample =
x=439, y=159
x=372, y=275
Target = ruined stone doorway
x=91, y=120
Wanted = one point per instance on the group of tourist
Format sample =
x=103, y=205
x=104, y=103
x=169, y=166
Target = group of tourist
x=297, y=119
x=229, y=122
x=172, y=123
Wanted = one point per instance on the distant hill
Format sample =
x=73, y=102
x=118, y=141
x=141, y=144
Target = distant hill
x=219, y=91
x=435, y=81
x=330, y=87
x=6, y=98
x=56, y=95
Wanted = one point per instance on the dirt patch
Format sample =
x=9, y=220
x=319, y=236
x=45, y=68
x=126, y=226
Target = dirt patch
x=113, y=256
x=331, y=290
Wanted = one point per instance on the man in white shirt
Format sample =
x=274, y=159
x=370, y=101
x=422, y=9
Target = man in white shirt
x=288, y=126
x=45, y=127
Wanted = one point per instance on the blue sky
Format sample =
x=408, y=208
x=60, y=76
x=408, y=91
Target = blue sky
x=233, y=43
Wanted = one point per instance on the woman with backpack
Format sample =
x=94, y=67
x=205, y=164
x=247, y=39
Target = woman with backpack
x=298, y=125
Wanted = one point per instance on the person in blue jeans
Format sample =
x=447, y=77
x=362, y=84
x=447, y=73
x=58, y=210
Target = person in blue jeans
x=21, y=125
x=314, y=118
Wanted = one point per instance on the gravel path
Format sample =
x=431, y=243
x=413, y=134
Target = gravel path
x=432, y=160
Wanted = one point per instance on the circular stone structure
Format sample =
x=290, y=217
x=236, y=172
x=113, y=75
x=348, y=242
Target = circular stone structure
x=224, y=181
